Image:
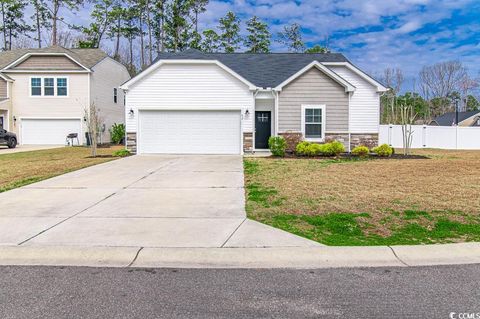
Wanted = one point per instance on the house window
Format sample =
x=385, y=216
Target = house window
x=61, y=87
x=115, y=95
x=49, y=86
x=313, y=121
x=36, y=86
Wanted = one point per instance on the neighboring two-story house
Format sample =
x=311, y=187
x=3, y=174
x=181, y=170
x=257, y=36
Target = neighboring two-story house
x=44, y=93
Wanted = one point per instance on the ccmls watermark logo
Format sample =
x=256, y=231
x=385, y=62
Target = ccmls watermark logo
x=464, y=315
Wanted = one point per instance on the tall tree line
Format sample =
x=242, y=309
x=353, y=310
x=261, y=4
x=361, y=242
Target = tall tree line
x=439, y=88
x=135, y=31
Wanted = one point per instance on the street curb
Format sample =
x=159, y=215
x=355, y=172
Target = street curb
x=274, y=257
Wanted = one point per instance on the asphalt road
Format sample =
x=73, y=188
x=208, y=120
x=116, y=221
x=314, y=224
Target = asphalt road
x=59, y=292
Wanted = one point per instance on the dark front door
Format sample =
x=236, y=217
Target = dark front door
x=263, y=128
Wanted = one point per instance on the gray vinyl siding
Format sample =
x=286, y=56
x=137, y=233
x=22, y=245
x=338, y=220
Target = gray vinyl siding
x=313, y=87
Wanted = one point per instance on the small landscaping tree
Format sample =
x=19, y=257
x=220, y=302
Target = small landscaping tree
x=407, y=118
x=94, y=123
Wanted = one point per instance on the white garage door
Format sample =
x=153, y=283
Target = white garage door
x=189, y=132
x=49, y=131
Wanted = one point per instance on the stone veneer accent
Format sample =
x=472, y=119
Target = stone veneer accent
x=132, y=142
x=292, y=139
x=343, y=138
x=369, y=140
x=247, y=141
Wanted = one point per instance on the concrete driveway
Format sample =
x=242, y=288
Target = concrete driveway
x=140, y=201
x=26, y=148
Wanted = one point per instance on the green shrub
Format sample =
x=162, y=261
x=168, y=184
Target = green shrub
x=314, y=149
x=117, y=133
x=121, y=153
x=327, y=149
x=277, y=145
x=361, y=151
x=301, y=149
x=337, y=148
x=383, y=150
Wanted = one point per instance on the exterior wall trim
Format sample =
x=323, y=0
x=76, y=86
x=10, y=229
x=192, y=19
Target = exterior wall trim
x=380, y=87
x=27, y=55
x=348, y=86
x=159, y=63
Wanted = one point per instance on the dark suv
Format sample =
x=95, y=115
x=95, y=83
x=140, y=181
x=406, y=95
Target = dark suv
x=8, y=138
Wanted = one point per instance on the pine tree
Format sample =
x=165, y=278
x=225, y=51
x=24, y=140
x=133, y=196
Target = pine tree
x=210, y=42
x=13, y=24
x=41, y=18
x=291, y=37
x=56, y=5
x=130, y=31
x=230, y=36
x=258, y=39
x=102, y=21
x=115, y=30
x=158, y=23
x=198, y=6
x=177, y=26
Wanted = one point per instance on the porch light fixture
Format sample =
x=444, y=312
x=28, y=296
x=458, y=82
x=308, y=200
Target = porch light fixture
x=131, y=112
x=84, y=118
x=14, y=118
x=247, y=112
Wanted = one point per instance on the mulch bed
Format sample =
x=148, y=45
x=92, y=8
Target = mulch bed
x=351, y=156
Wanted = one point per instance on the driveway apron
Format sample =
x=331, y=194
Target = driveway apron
x=141, y=201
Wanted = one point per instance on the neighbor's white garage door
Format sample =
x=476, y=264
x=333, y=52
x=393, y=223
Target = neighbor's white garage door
x=49, y=131
x=189, y=132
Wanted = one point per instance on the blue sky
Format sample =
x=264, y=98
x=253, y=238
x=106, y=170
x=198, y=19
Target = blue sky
x=374, y=34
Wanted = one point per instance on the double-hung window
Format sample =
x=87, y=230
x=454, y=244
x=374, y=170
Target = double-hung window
x=49, y=86
x=62, y=87
x=313, y=121
x=36, y=85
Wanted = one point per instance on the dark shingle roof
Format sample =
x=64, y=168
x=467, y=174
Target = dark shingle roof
x=263, y=70
x=87, y=57
x=448, y=119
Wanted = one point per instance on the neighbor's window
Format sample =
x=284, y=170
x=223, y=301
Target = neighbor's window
x=48, y=86
x=313, y=122
x=115, y=95
x=36, y=86
x=61, y=87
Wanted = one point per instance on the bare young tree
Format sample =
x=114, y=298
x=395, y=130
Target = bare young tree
x=94, y=123
x=407, y=118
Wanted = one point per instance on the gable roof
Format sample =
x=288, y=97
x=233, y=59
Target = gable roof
x=334, y=76
x=86, y=57
x=265, y=70
x=448, y=119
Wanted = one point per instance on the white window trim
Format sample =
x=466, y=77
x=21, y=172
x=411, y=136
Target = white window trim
x=323, y=123
x=55, y=92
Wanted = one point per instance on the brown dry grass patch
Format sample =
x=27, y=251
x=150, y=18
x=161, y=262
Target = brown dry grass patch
x=445, y=184
x=20, y=169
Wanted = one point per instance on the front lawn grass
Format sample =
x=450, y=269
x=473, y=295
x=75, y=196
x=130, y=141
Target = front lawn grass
x=369, y=202
x=20, y=169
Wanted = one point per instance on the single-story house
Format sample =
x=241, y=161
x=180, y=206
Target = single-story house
x=44, y=93
x=470, y=118
x=217, y=103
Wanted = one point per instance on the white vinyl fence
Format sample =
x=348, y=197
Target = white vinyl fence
x=426, y=136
